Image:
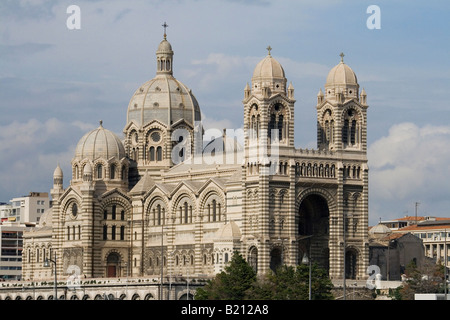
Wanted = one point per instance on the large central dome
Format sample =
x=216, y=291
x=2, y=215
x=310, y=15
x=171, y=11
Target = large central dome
x=163, y=98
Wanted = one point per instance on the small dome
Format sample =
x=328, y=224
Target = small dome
x=341, y=74
x=229, y=231
x=58, y=172
x=46, y=219
x=99, y=143
x=380, y=230
x=164, y=47
x=268, y=67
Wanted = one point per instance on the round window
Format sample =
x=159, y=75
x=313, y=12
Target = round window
x=156, y=136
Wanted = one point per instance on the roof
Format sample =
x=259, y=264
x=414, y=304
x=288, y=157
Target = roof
x=100, y=142
x=424, y=227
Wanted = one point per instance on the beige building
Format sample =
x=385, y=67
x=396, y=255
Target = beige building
x=165, y=201
x=435, y=235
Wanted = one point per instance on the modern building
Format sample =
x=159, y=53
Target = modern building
x=157, y=202
x=11, y=244
x=27, y=209
x=18, y=216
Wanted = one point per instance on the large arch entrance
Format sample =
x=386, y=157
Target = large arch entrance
x=112, y=265
x=313, y=230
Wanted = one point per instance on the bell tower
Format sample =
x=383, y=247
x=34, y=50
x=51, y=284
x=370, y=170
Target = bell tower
x=342, y=112
x=269, y=142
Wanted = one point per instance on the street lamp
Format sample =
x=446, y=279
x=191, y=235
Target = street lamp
x=307, y=261
x=46, y=265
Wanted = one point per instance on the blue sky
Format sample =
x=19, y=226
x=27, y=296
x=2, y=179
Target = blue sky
x=56, y=84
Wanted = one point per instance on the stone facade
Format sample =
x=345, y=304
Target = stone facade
x=163, y=201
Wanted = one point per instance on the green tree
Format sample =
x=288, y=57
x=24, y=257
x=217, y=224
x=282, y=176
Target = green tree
x=292, y=283
x=429, y=278
x=230, y=284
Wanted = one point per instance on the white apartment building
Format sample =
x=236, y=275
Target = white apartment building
x=11, y=244
x=27, y=209
x=18, y=216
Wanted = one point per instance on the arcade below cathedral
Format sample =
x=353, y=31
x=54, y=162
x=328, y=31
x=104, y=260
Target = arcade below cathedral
x=160, y=201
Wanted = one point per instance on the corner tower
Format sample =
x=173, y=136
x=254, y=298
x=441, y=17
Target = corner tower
x=342, y=112
x=269, y=145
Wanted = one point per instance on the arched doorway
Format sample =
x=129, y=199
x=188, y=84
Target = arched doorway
x=275, y=258
x=253, y=258
x=112, y=265
x=351, y=263
x=313, y=229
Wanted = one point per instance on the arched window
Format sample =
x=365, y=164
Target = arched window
x=185, y=212
x=99, y=171
x=124, y=172
x=113, y=215
x=351, y=129
x=158, y=212
x=158, y=154
x=112, y=170
x=122, y=233
x=278, y=123
x=105, y=232
x=113, y=233
x=152, y=154
x=214, y=209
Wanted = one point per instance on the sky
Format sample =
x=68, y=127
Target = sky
x=57, y=82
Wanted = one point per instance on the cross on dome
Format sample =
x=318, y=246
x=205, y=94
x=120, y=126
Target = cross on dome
x=269, y=48
x=165, y=25
x=342, y=56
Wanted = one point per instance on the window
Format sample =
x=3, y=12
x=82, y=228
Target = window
x=113, y=171
x=158, y=154
x=105, y=232
x=277, y=123
x=99, y=171
x=113, y=233
x=350, y=129
x=152, y=154
x=122, y=233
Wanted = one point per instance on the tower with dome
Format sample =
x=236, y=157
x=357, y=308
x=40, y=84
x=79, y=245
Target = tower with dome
x=156, y=200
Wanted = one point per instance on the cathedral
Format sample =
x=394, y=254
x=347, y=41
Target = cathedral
x=161, y=200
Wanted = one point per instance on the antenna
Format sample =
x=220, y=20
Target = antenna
x=416, y=206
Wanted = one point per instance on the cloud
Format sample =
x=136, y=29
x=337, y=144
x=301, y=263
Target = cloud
x=21, y=50
x=410, y=164
x=27, y=9
x=30, y=151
